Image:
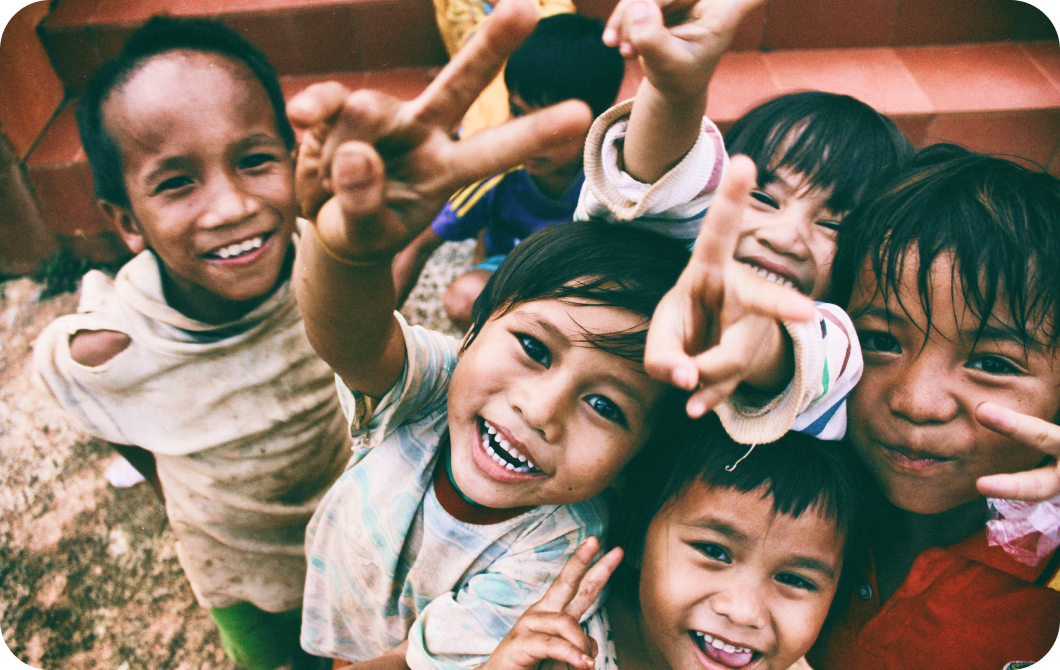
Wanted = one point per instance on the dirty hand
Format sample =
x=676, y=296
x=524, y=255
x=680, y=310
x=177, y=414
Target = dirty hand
x=373, y=171
x=549, y=633
x=721, y=323
x=678, y=42
x=1033, y=485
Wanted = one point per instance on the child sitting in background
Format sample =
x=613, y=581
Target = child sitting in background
x=563, y=59
x=732, y=559
x=952, y=282
x=196, y=352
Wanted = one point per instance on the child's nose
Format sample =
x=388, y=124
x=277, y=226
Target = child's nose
x=920, y=394
x=741, y=601
x=785, y=234
x=228, y=202
x=541, y=402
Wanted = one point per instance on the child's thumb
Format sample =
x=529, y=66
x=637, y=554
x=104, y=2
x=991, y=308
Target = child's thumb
x=645, y=30
x=357, y=179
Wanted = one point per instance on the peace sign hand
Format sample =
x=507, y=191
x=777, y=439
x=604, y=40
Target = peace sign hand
x=373, y=171
x=549, y=632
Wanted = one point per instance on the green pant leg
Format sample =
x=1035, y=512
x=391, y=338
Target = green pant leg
x=255, y=639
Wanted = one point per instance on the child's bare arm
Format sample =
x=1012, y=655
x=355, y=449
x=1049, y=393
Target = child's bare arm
x=1034, y=485
x=679, y=44
x=720, y=326
x=374, y=171
x=549, y=629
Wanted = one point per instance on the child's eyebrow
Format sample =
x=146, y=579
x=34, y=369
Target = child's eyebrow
x=719, y=527
x=813, y=564
x=1000, y=333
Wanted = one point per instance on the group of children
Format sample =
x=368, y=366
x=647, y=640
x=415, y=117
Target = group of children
x=780, y=484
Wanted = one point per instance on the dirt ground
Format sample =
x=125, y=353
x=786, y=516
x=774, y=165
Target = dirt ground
x=88, y=573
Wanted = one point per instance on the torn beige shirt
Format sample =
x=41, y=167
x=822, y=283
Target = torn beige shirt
x=243, y=419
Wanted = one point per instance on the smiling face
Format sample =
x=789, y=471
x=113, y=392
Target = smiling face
x=539, y=416
x=789, y=234
x=726, y=582
x=912, y=415
x=210, y=181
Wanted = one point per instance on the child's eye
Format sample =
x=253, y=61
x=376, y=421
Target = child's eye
x=994, y=365
x=173, y=184
x=829, y=224
x=764, y=198
x=606, y=408
x=256, y=160
x=796, y=581
x=533, y=348
x=713, y=551
x=874, y=340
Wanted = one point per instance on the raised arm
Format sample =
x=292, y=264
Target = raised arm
x=678, y=44
x=374, y=171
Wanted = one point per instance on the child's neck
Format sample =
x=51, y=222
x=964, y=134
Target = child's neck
x=207, y=307
x=631, y=645
x=555, y=183
x=906, y=535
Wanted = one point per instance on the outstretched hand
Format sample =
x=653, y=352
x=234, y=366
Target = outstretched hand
x=549, y=631
x=720, y=325
x=1033, y=485
x=678, y=42
x=373, y=171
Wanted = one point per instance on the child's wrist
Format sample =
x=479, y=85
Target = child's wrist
x=350, y=261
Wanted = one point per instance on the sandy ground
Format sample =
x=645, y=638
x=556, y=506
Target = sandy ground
x=88, y=574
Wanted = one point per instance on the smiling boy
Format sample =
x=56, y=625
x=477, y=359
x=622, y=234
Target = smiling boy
x=953, y=287
x=196, y=353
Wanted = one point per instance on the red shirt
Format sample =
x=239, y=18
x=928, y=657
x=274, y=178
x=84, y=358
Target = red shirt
x=968, y=606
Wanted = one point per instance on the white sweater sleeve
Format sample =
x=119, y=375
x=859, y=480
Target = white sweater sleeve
x=672, y=206
x=828, y=365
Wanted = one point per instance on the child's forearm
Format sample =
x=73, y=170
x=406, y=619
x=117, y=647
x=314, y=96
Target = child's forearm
x=662, y=129
x=349, y=317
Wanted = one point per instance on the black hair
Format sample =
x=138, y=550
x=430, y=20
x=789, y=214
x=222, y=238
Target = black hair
x=797, y=473
x=587, y=262
x=565, y=58
x=999, y=220
x=159, y=35
x=837, y=142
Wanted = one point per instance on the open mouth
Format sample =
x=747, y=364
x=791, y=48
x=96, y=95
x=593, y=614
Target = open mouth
x=503, y=453
x=722, y=652
x=238, y=249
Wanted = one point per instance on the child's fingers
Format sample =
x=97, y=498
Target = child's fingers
x=672, y=326
x=593, y=583
x=497, y=149
x=472, y=68
x=316, y=104
x=566, y=585
x=1033, y=485
x=1029, y=430
x=721, y=227
x=364, y=116
x=757, y=295
x=540, y=648
x=357, y=178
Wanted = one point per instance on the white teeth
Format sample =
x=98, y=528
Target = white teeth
x=718, y=644
x=508, y=448
x=773, y=277
x=240, y=247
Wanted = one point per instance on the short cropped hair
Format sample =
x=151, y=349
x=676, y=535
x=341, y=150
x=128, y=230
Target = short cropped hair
x=999, y=220
x=797, y=473
x=837, y=142
x=587, y=262
x=565, y=59
x=159, y=35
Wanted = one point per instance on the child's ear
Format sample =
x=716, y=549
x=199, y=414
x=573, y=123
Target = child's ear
x=122, y=220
